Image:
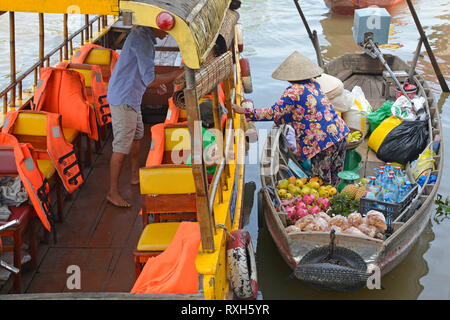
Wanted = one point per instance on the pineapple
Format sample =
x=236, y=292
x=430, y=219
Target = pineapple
x=360, y=192
x=350, y=190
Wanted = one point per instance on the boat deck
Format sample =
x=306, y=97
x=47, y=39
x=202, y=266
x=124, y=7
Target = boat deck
x=371, y=86
x=94, y=235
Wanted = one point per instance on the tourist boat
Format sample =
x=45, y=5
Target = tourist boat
x=349, y=6
x=354, y=69
x=100, y=240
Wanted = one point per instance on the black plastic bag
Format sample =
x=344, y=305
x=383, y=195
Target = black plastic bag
x=405, y=142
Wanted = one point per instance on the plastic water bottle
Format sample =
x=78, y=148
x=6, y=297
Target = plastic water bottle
x=388, y=167
x=380, y=179
x=402, y=176
x=391, y=193
x=392, y=173
x=398, y=177
x=372, y=189
x=402, y=193
x=382, y=168
x=408, y=187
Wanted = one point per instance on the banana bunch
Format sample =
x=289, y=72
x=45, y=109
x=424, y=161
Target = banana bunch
x=354, y=136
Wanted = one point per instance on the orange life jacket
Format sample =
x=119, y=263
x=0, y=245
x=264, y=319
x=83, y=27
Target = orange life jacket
x=99, y=92
x=34, y=183
x=62, y=91
x=81, y=55
x=59, y=151
x=173, y=271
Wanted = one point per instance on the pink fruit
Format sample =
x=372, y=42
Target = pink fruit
x=323, y=203
x=314, y=210
x=302, y=212
x=300, y=205
x=309, y=199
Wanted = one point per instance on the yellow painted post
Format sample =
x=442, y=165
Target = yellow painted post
x=205, y=218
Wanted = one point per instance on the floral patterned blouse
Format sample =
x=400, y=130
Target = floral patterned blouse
x=307, y=109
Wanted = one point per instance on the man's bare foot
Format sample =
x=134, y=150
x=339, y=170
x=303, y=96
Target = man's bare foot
x=117, y=201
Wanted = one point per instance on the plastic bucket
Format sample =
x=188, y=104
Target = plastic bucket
x=410, y=90
x=352, y=161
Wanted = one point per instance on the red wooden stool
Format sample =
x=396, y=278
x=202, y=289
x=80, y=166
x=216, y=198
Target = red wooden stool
x=25, y=214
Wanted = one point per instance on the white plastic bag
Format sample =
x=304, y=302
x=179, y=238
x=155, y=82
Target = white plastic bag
x=403, y=109
x=289, y=133
x=356, y=117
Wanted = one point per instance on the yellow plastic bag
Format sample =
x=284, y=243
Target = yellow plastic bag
x=423, y=165
x=377, y=137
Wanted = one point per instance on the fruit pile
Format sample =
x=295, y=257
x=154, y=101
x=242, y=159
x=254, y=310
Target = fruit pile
x=292, y=187
x=354, y=136
x=301, y=197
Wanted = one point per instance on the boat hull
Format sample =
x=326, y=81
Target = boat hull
x=387, y=254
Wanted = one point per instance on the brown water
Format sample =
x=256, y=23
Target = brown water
x=272, y=30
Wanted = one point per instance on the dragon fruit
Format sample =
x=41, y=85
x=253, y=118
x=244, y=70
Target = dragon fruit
x=309, y=199
x=301, y=212
x=291, y=212
x=314, y=210
x=300, y=205
x=323, y=203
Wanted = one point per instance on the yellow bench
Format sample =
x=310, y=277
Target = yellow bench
x=167, y=188
x=155, y=238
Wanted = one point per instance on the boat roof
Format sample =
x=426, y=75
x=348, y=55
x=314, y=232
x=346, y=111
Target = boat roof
x=197, y=22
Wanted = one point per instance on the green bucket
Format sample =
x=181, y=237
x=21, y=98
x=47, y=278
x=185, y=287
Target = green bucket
x=352, y=161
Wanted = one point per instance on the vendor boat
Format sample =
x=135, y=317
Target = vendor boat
x=353, y=69
x=109, y=245
x=349, y=6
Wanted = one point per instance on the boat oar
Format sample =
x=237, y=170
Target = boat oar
x=434, y=63
x=312, y=35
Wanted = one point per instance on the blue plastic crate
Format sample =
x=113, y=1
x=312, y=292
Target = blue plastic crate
x=390, y=210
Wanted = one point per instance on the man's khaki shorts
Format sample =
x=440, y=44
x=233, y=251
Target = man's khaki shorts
x=127, y=126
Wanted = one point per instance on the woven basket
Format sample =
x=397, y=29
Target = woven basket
x=207, y=78
x=354, y=144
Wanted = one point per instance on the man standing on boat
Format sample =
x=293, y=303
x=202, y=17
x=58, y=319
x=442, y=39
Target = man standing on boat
x=133, y=73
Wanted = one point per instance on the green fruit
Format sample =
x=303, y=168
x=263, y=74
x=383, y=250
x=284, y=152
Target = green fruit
x=283, y=184
x=305, y=190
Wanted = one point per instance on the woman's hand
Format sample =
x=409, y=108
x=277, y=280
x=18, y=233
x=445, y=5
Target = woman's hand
x=238, y=109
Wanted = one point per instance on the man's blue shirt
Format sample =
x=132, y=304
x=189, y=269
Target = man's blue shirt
x=135, y=69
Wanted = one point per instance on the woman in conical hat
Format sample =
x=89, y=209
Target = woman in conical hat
x=321, y=134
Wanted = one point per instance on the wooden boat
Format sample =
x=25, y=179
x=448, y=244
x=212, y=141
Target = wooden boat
x=353, y=69
x=349, y=6
x=92, y=227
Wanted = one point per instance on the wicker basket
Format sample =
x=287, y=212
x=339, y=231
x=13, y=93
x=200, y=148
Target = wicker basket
x=354, y=144
x=211, y=74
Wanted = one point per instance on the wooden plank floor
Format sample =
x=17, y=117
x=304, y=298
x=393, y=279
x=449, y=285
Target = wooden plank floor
x=95, y=235
x=371, y=86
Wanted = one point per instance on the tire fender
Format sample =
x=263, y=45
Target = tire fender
x=246, y=75
x=242, y=265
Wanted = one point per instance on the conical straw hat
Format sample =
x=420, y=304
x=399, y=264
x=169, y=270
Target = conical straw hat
x=297, y=67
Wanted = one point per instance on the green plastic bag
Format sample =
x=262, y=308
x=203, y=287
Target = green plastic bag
x=209, y=139
x=378, y=116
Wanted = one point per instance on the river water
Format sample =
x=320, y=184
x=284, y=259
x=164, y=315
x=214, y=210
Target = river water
x=272, y=30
